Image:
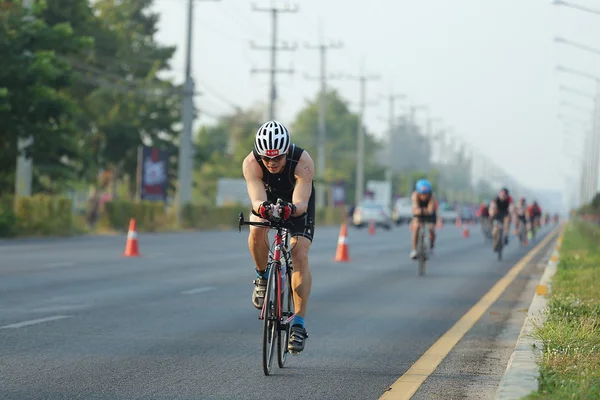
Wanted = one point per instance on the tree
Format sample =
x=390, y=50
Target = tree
x=136, y=106
x=221, y=148
x=341, y=140
x=34, y=100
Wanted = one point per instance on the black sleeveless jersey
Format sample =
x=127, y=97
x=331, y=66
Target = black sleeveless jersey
x=281, y=185
x=423, y=203
x=503, y=205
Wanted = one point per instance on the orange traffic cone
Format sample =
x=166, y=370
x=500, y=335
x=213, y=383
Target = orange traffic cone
x=131, y=247
x=371, y=227
x=466, y=232
x=341, y=254
x=440, y=224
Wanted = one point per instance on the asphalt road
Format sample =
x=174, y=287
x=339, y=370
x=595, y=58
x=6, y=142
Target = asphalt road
x=79, y=321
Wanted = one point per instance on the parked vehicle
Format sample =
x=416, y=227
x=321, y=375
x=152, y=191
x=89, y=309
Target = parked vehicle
x=467, y=214
x=371, y=211
x=447, y=213
x=402, y=212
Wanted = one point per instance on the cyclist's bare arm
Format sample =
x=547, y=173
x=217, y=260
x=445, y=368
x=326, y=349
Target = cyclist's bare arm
x=492, y=209
x=253, y=175
x=416, y=210
x=304, y=180
x=432, y=206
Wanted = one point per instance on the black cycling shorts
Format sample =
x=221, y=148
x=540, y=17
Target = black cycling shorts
x=522, y=218
x=500, y=215
x=428, y=219
x=303, y=225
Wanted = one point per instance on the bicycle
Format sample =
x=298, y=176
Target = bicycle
x=422, y=253
x=498, y=236
x=534, y=227
x=277, y=312
x=523, y=232
x=485, y=229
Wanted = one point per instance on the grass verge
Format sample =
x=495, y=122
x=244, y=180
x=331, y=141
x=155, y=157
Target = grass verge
x=570, y=364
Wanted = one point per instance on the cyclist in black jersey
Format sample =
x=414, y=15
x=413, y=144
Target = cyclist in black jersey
x=502, y=208
x=277, y=168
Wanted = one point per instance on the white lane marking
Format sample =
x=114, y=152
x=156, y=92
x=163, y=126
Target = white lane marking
x=59, y=308
x=198, y=290
x=60, y=265
x=35, y=321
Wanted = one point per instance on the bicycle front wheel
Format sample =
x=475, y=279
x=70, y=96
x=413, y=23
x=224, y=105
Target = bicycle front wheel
x=270, y=320
x=287, y=311
x=421, y=247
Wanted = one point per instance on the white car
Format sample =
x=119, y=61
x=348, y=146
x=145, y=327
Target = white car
x=402, y=210
x=447, y=213
x=370, y=211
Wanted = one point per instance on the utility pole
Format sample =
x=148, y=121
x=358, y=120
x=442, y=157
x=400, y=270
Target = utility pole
x=360, y=149
x=24, y=171
x=391, y=126
x=322, y=138
x=274, y=49
x=596, y=142
x=186, y=149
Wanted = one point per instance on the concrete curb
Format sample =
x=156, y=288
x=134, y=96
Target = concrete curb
x=520, y=377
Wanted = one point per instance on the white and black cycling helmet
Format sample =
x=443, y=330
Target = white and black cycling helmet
x=272, y=139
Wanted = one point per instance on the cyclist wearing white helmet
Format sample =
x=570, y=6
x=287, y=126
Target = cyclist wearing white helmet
x=277, y=168
x=426, y=204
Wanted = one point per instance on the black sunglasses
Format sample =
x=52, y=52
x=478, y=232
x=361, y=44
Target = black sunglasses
x=266, y=159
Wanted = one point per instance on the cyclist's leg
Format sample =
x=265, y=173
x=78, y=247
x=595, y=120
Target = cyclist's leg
x=301, y=239
x=413, y=234
x=258, y=243
x=506, y=227
x=431, y=223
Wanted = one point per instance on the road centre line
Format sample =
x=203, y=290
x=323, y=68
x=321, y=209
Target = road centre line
x=408, y=384
x=198, y=290
x=34, y=321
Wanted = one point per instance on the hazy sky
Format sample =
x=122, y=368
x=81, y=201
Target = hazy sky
x=485, y=67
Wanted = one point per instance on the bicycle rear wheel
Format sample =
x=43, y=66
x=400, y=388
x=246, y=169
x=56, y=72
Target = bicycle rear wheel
x=287, y=311
x=501, y=243
x=270, y=320
x=497, y=234
x=421, y=247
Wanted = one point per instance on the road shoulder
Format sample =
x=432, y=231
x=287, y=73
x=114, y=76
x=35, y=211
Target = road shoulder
x=474, y=367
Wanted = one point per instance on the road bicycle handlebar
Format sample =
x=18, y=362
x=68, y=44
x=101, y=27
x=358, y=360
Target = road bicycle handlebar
x=275, y=222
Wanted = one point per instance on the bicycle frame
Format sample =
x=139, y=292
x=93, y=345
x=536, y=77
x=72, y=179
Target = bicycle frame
x=280, y=246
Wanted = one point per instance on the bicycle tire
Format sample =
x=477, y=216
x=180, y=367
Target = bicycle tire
x=270, y=320
x=501, y=230
x=287, y=310
x=498, y=235
x=421, y=247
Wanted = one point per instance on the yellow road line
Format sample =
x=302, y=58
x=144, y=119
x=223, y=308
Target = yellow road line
x=408, y=384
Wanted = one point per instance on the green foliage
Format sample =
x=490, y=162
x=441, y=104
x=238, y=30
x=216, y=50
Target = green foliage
x=149, y=216
x=220, y=150
x=342, y=126
x=570, y=365
x=154, y=216
x=43, y=215
x=34, y=97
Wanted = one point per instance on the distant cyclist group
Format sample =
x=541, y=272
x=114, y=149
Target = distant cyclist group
x=279, y=178
x=503, y=209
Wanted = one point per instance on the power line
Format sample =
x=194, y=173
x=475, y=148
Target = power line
x=274, y=49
